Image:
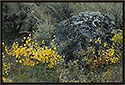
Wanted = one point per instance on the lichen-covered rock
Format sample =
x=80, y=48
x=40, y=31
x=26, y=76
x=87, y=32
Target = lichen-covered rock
x=75, y=33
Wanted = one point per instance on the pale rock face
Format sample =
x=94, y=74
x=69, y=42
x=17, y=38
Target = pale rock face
x=74, y=33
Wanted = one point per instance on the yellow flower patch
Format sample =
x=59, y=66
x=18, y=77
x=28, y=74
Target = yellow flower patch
x=31, y=50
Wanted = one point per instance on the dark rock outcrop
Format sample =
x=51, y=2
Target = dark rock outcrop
x=74, y=33
x=17, y=19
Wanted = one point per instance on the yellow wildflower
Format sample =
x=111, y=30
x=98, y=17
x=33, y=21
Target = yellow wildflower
x=3, y=56
x=20, y=61
x=100, y=42
x=54, y=48
x=111, y=53
x=24, y=38
x=53, y=40
x=95, y=41
x=105, y=44
x=4, y=79
x=90, y=40
x=98, y=39
x=17, y=61
x=30, y=35
x=27, y=41
x=24, y=44
x=2, y=43
x=10, y=80
x=51, y=43
x=36, y=44
x=54, y=36
x=37, y=62
x=43, y=42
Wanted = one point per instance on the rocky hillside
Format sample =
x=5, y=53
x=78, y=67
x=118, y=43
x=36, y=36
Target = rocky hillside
x=19, y=19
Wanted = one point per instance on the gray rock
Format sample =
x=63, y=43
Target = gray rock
x=74, y=33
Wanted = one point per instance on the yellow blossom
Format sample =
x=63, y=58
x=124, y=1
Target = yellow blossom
x=24, y=38
x=20, y=61
x=54, y=36
x=17, y=61
x=51, y=43
x=2, y=43
x=10, y=80
x=27, y=41
x=4, y=79
x=24, y=44
x=43, y=42
x=30, y=35
x=53, y=40
x=36, y=44
x=54, y=48
x=95, y=41
x=90, y=40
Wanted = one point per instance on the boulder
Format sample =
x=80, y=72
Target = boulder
x=75, y=33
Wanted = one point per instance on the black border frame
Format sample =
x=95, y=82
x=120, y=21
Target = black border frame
x=123, y=2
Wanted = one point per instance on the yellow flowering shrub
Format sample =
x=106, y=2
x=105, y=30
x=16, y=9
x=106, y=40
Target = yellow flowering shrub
x=112, y=54
x=118, y=36
x=6, y=80
x=29, y=56
x=106, y=53
x=5, y=68
x=108, y=56
x=31, y=53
